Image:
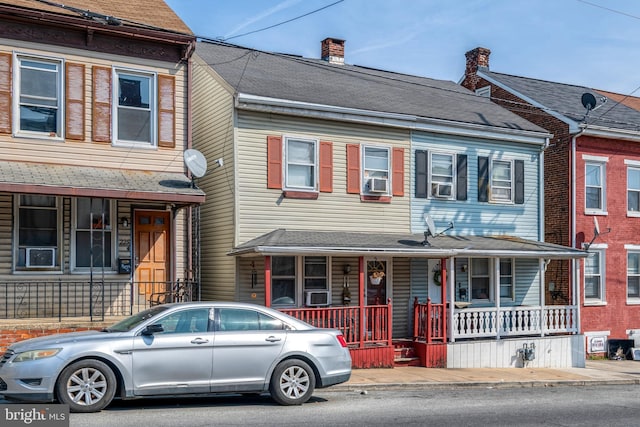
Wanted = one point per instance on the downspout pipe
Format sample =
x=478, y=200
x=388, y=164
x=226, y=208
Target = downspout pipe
x=575, y=277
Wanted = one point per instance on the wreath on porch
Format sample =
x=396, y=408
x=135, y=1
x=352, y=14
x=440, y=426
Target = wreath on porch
x=437, y=277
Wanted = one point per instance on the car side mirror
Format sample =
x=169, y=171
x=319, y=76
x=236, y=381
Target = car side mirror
x=152, y=329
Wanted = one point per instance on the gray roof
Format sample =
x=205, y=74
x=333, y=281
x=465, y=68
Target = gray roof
x=81, y=181
x=283, y=241
x=566, y=100
x=316, y=81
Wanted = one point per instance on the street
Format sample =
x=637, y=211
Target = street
x=526, y=406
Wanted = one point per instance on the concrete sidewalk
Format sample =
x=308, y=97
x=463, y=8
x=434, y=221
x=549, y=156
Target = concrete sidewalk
x=596, y=372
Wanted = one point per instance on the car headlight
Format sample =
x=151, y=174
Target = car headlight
x=36, y=354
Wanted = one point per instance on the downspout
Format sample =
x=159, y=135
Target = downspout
x=575, y=277
x=443, y=297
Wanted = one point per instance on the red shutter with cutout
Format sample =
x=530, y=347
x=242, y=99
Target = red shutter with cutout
x=353, y=168
x=101, y=104
x=274, y=162
x=326, y=166
x=5, y=93
x=397, y=170
x=74, y=108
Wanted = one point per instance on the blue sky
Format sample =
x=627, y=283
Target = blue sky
x=595, y=43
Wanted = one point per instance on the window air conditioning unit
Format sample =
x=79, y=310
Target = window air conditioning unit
x=441, y=190
x=378, y=185
x=317, y=299
x=41, y=257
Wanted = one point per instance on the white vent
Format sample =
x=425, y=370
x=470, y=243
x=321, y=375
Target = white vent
x=41, y=257
x=378, y=185
x=317, y=298
x=441, y=190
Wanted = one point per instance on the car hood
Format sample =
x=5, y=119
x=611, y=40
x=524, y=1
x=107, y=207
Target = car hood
x=62, y=339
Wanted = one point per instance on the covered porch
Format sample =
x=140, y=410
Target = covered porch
x=414, y=308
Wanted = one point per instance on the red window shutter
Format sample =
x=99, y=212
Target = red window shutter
x=5, y=93
x=74, y=109
x=397, y=171
x=326, y=166
x=274, y=162
x=166, y=112
x=353, y=168
x=101, y=113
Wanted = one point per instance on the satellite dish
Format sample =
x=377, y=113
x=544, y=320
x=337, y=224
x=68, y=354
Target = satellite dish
x=596, y=229
x=431, y=226
x=588, y=101
x=196, y=162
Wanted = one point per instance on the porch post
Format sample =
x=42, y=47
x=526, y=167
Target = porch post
x=443, y=297
x=267, y=281
x=542, y=268
x=361, y=289
x=496, y=272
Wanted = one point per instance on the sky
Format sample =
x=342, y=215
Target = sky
x=593, y=43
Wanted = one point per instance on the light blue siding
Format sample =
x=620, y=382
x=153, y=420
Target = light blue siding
x=527, y=282
x=471, y=217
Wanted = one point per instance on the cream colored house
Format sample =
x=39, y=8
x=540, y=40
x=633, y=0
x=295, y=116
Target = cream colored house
x=95, y=203
x=320, y=176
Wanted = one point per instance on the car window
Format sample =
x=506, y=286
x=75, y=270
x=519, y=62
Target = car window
x=235, y=319
x=186, y=321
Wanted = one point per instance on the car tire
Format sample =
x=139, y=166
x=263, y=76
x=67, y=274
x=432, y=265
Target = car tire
x=86, y=386
x=292, y=382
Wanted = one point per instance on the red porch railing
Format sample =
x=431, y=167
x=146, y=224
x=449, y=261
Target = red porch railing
x=428, y=321
x=371, y=324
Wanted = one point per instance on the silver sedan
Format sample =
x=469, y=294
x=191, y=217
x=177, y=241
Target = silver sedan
x=178, y=349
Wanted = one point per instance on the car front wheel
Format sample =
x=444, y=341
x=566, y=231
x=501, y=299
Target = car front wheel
x=86, y=386
x=292, y=382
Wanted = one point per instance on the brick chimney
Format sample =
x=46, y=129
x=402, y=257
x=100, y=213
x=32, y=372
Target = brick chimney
x=333, y=50
x=476, y=58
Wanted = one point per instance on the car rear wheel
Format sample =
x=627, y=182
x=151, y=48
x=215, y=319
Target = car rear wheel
x=86, y=386
x=292, y=383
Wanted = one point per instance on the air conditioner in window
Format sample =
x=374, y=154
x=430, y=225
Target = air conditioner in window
x=378, y=185
x=40, y=257
x=317, y=298
x=441, y=190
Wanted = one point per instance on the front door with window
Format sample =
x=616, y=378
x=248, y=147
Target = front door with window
x=376, y=279
x=152, y=243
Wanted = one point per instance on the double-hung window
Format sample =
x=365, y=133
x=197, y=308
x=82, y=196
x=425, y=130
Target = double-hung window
x=38, y=232
x=501, y=181
x=287, y=282
x=506, y=278
x=283, y=280
x=480, y=279
x=633, y=276
x=376, y=161
x=93, y=236
x=594, y=276
x=301, y=164
x=633, y=190
x=38, y=101
x=441, y=175
x=594, y=187
x=135, y=110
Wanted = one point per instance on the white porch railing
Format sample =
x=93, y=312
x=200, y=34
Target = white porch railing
x=514, y=321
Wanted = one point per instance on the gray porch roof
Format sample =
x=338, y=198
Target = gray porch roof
x=81, y=181
x=291, y=242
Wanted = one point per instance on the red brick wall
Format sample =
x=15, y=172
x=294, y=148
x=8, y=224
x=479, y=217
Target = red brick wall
x=22, y=331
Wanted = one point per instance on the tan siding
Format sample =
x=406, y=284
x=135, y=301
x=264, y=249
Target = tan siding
x=6, y=214
x=401, y=300
x=213, y=135
x=261, y=210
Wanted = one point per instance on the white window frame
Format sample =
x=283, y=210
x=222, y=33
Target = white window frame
x=112, y=229
x=152, y=108
x=58, y=63
x=489, y=276
x=16, y=238
x=602, y=187
x=512, y=277
x=633, y=250
x=369, y=172
x=635, y=167
x=434, y=180
x=600, y=251
x=301, y=279
x=287, y=162
x=493, y=195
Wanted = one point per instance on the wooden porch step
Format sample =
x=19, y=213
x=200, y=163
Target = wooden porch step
x=404, y=353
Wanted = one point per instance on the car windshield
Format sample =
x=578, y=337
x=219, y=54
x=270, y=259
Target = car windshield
x=133, y=321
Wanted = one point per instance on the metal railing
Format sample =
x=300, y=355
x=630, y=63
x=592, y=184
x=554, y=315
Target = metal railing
x=88, y=299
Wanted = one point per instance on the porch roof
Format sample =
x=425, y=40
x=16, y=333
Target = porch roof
x=82, y=181
x=291, y=242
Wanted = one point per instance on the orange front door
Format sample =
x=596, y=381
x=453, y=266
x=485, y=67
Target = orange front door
x=152, y=243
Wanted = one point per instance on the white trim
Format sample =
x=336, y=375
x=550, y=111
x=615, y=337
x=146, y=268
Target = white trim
x=153, y=108
x=316, y=162
x=632, y=162
x=592, y=158
x=113, y=268
x=631, y=247
x=365, y=179
x=608, y=132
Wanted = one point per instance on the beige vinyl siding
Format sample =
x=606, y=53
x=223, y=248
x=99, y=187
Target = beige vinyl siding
x=6, y=232
x=89, y=153
x=401, y=300
x=213, y=133
x=261, y=210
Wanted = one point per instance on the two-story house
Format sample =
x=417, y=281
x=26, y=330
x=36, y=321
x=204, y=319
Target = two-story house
x=95, y=204
x=592, y=188
x=331, y=194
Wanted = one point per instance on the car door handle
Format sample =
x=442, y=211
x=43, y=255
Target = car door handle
x=199, y=341
x=273, y=339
